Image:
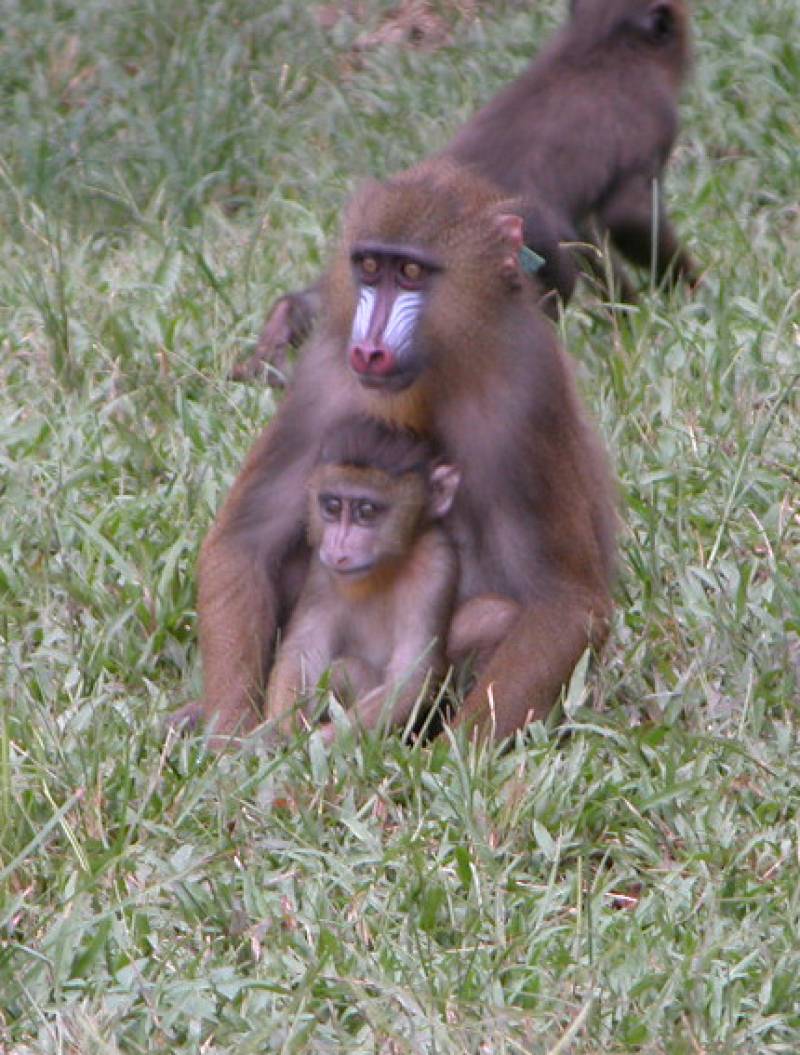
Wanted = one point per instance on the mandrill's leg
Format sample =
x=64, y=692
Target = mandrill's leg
x=523, y=678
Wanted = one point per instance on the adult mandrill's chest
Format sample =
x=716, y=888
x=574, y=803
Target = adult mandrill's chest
x=495, y=539
x=488, y=561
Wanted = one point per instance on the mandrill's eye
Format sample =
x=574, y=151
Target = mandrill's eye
x=330, y=506
x=369, y=267
x=411, y=272
x=366, y=512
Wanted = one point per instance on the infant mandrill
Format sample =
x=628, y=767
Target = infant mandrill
x=377, y=603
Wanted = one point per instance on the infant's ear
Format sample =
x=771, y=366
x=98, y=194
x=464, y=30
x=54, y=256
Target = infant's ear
x=444, y=484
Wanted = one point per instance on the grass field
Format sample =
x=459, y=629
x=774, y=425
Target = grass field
x=166, y=170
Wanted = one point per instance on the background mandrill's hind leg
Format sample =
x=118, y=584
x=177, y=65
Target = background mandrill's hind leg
x=605, y=265
x=288, y=324
x=628, y=214
x=523, y=678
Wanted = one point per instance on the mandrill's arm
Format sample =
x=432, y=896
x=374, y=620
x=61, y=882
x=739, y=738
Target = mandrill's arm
x=246, y=565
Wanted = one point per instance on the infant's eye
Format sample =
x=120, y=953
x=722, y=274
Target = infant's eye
x=330, y=507
x=411, y=271
x=366, y=512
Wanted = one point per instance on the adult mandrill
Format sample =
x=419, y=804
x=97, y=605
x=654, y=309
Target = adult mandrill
x=582, y=137
x=427, y=323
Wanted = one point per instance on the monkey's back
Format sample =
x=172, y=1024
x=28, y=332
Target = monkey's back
x=586, y=113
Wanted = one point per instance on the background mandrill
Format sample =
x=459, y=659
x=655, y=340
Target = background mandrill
x=383, y=577
x=584, y=134
x=427, y=322
x=582, y=137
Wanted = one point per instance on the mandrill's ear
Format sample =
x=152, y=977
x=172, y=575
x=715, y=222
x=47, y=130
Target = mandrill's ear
x=509, y=226
x=443, y=486
x=658, y=24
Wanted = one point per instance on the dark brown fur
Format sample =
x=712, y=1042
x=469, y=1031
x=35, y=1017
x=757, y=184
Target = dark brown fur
x=585, y=132
x=365, y=443
x=582, y=137
x=533, y=520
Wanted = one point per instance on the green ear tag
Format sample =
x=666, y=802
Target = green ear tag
x=529, y=261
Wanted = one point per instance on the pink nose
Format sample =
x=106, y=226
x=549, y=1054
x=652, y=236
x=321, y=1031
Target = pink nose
x=333, y=558
x=371, y=359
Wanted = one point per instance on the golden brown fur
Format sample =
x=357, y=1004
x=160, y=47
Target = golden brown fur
x=533, y=520
x=377, y=602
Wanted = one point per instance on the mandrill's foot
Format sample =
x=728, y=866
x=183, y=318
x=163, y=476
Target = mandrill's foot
x=263, y=367
x=186, y=719
x=192, y=717
x=271, y=357
x=287, y=326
